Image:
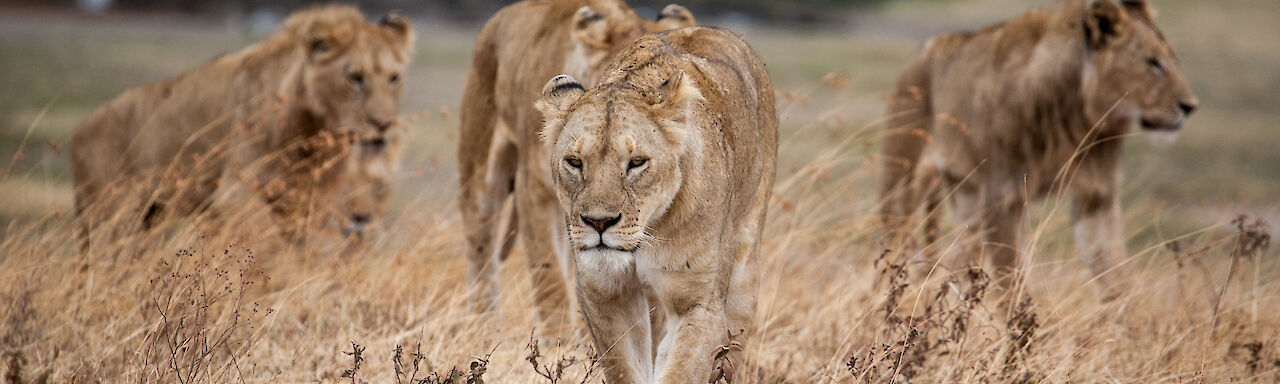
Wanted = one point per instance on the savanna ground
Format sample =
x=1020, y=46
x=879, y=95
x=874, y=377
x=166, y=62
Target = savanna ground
x=188, y=307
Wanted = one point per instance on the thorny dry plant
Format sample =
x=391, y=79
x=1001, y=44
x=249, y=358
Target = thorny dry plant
x=939, y=331
x=724, y=370
x=555, y=372
x=473, y=375
x=202, y=323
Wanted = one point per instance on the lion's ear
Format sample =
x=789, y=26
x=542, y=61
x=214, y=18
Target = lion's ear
x=590, y=28
x=400, y=27
x=673, y=101
x=322, y=39
x=675, y=16
x=676, y=92
x=1105, y=20
x=318, y=46
x=1140, y=7
x=557, y=96
x=1135, y=4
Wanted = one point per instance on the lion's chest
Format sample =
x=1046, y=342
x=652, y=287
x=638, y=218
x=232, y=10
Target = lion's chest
x=675, y=275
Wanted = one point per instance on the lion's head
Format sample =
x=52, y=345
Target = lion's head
x=674, y=16
x=351, y=77
x=602, y=28
x=364, y=185
x=616, y=153
x=1133, y=75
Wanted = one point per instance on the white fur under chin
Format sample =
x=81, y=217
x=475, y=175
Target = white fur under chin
x=1163, y=139
x=606, y=263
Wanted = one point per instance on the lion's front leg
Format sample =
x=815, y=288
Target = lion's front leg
x=614, y=306
x=1096, y=216
x=1099, y=236
x=696, y=326
x=1002, y=224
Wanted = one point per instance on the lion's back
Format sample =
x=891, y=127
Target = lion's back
x=737, y=87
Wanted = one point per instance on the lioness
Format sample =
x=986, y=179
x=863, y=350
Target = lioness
x=498, y=152
x=271, y=118
x=1035, y=106
x=664, y=172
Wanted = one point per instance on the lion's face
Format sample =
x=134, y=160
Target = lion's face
x=1135, y=75
x=356, y=197
x=352, y=77
x=615, y=157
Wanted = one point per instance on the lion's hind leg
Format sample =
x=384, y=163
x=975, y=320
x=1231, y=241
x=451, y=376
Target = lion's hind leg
x=482, y=220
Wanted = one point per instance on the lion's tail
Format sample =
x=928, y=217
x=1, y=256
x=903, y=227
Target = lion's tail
x=905, y=137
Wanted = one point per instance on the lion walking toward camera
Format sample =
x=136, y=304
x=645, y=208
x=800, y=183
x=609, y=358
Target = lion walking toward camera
x=499, y=156
x=664, y=172
x=1035, y=106
x=268, y=124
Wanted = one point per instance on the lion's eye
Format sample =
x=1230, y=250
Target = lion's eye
x=395, y=77
x=573, y=162
x=637, y=162
x=1155, y=64
x=357, y=78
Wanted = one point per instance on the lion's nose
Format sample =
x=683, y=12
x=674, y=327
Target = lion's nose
x=601, y=223
x=1189, y=105
x=356, y=226
x=360, y=218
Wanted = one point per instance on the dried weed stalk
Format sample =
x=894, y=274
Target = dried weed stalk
x=555, y=372
x=201, y=321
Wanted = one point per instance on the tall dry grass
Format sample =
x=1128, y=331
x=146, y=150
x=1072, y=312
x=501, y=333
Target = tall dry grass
x=187, y=304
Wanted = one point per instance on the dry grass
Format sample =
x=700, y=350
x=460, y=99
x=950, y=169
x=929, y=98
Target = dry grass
x=192, y=307
x=185, y=305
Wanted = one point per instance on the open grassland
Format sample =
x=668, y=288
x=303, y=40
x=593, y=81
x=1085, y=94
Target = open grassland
x=185, y=305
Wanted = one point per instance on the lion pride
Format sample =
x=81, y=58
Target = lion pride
x=664, y=173
x=269, y=120
x=1032, y=107
x=519, y=48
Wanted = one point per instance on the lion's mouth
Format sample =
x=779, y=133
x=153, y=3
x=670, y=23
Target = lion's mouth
x=1161, y=124
x=605, y=248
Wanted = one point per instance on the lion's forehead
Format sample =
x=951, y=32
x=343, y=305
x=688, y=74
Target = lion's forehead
x=608, y=127
x=596, y=143
x=377, y=56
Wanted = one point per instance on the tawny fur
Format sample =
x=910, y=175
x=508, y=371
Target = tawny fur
x=266, y=124
x=354, y=208
x=519, y=48
x=664, y=172
x=1032, y=107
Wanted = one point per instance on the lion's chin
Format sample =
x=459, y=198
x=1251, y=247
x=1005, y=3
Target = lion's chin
x=1163, y=138
x=1161, y=132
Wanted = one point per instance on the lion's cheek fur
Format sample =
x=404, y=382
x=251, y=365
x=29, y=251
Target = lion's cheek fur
x=654, y=206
